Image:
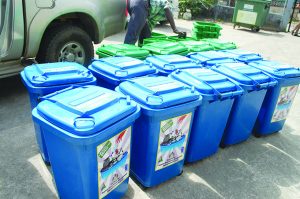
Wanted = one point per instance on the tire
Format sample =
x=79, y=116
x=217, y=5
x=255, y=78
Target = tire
x=66, y=43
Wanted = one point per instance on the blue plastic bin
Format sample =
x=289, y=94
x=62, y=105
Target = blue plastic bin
x=246, y=107
x=42, y=79
x=279, y=99
x=89, y=141
x=111, y=71
x=161, y=133
x=210, y=119
x=210, y=58
x=166, y=64
x=242, y=55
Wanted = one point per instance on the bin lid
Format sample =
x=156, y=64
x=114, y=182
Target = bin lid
x=85, y=110
x=165, y=47
x=209, y=83
x=53, y=74
x=122, y=67
x=220, y=44
x=277, y=69
x=197, y=46
x=210, y=57
x=242, y=55
x=157, y=92
x=245, y=75
x=169, y=63
x=123, y=50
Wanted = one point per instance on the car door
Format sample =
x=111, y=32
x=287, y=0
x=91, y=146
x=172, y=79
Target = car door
x=114, y=15
x=11, y=30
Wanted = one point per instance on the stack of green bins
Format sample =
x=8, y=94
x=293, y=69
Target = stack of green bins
x=122, y=50
x=196, y=46
x=166, y=48
x=220, y=45
x=204, y=30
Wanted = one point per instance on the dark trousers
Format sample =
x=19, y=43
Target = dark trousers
x=138, y=28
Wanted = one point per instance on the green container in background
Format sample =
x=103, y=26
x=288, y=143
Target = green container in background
x=122, y=50
x=166, y=48
x=251, y=13
x=197, y=46
x=207, y=26
x=220, y=45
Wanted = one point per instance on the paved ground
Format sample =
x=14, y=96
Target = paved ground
x=259, y=168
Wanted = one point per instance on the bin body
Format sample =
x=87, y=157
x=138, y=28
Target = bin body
x=122, y=50
x=246, y=107
x=89, y=153
x=218, y=93
x=242, y=55
x=111, y=71
x=210, y=58
x=43, y=79
x=166, y=64
x=166, y=48
x=251, y=13
x=162, y=132
x=279, y=99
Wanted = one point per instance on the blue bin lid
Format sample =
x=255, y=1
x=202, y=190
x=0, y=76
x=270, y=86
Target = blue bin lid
x=242, y=55
x=248, y=77
x=170, y=63
x=53, y=74
x=122, y=67
x=210, y=58
x=277, y=69
x=212, y=85
x=85, y=110
x=157, y=92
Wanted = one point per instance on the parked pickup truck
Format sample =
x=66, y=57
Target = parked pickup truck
x=55, y=30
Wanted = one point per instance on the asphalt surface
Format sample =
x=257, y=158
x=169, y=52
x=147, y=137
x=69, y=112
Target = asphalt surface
x=267, y=167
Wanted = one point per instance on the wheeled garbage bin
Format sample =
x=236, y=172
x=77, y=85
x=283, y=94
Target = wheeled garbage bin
x=251, y=13
x=89, y=141
x=242, y=55
x=246, y=107
x=210, y=58
x=111, y=71
x=218, y=93
x=279, y=99
x=166, y=64
x=162, y=132
x=43, y=79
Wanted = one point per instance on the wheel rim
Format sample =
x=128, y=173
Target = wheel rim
x=72, y=52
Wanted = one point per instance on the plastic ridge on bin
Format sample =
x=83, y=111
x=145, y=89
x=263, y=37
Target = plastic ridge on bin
x=166, y=64
x=111, y=71
x=210, y=58
x=165, y=48
x=89, y=141
x=243, y=56
x=197, y=46
x=220, y=45
x=162, y=132
x=122, y=50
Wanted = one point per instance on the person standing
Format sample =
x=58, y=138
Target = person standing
x=144, y=15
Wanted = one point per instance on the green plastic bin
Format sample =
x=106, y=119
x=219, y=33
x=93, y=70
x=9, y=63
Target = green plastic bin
x=197, y=46
x=166, y=48
x=122, y=50
x=251, y=13
x=220, y=45
x=158, y=35
x=155, y=39
x=207, y=26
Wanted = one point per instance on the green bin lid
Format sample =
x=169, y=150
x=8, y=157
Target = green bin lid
x=197, y=46
x=122, y=50
x=220, y=45
x=166, y=48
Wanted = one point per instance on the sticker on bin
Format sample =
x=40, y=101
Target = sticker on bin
x=113, y=158
x=173, y=138
x=284, y=103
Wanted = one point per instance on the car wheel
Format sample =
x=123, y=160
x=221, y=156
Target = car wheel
x=67, y=44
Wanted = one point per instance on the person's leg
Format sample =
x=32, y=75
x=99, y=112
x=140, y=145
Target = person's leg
x=297, y=29
x=138, y=15
x=145, y=33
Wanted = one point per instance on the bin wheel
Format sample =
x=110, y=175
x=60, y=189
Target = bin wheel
x=180, y=173
x=257, y=29
x=234, y=26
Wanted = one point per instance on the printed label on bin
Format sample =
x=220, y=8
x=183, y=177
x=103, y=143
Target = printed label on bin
x=113, y=158
x=172, y=141
x=284, y=103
